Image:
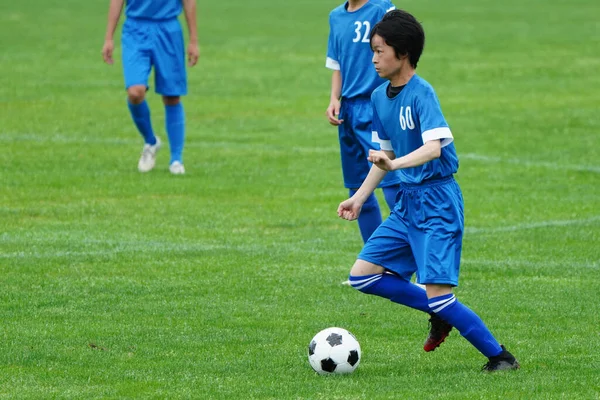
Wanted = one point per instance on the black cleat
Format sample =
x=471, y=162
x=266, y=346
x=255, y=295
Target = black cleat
x=439, y=331
x=501, y=362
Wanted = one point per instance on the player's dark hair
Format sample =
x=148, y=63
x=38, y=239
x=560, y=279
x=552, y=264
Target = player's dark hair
x=400, y=30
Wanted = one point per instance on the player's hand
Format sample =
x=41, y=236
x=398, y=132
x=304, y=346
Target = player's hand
x=349, y=209
x=332, y=113
x=107, y=51
x=380, y=159
x=193, y=53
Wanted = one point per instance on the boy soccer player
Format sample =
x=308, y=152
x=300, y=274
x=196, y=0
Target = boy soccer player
x=152, y=37
x=353, y=80
x=424, y=231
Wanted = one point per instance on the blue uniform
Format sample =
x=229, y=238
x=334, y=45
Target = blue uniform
x=349, y=51
x=424, y=232
x=152, y=37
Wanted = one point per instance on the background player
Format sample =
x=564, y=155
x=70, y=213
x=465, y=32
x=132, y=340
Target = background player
x=424, y=231
x=152, y=37
x=352, y=82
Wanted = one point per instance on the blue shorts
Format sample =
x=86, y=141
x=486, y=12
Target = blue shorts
x=158, y=44
x=355, y=135
x=423, y=234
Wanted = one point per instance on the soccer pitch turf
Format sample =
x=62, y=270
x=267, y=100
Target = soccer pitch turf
x=210, y=285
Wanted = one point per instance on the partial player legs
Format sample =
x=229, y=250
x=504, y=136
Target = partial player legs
x=369, y=278
x=373, y=279
x=140, y=113
x=470, y=325
x=175, y=126
x=446, y=311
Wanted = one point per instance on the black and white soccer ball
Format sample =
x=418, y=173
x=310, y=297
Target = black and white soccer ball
x=334, y=351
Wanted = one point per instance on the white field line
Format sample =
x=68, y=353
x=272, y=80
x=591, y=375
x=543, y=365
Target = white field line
x=108, y=248
x=533, y=225
x=509, y=262
x=137, y=141
x=134, y=140
x=123, y=247
x=527, y=163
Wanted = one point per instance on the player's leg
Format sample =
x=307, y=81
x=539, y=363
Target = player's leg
x=437, y=253
x=136, y=69
x=171, y=83
x=355, y=165
x=435, y=265
x=445, y=305
x=175, y=125
x=388, y=250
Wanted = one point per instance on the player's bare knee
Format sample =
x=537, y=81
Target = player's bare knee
x=136, y=94
x=362, y=267
x=171, y=100
x=364, y=274
x=434, y=290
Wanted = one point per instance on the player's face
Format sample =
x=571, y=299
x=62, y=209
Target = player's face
x=386, y=63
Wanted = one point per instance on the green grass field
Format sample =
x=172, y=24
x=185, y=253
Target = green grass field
x=210, y=285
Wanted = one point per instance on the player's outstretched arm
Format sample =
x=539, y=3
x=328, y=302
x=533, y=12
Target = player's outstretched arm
x=114, y=13
x=193, y=50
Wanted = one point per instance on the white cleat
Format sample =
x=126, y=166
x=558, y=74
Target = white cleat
x=176, y=168
x=148, y=158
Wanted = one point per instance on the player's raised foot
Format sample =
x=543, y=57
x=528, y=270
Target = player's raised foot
x=148, y=157
x=439, y=331
x=501, y=362
x=176, y=168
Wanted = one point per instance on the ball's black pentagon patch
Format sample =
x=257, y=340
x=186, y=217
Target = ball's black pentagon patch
x=353, y=357
x=311, y=348
x=328, y=365
x=334, y=339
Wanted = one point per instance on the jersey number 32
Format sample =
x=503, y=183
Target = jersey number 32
x=360, y=26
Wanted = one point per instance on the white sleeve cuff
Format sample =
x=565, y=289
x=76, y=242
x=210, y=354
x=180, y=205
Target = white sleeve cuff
x=383, y=144
x=332, y=64
x=444, y=134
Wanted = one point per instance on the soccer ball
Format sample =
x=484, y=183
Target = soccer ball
x=334, y=351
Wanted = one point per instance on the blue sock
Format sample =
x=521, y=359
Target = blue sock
x=390, y=193
x=370, y=216
x=467, y=322
x=175, y=122
x=392, y=287
x=141, y=117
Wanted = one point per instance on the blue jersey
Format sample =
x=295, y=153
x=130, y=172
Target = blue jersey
x=153, y=9
x=405, y=122
x=349, y=48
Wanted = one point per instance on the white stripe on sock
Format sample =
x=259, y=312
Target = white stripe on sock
x=359, y=284
x=444, y=306
x=359, y=281
x=437, y=303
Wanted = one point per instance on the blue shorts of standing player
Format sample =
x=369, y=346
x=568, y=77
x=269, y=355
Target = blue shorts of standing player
x=152, y=38
x=355, y=137
x=424, y=232
x=353, y=80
